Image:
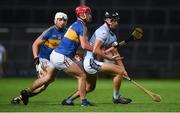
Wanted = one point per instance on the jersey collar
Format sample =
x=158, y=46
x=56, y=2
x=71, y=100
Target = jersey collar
x=106, y=26
x=108, y=29
x=79, y=19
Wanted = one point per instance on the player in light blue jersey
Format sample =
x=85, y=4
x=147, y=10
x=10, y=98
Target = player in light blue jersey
x=42, y=48
x=102, y=39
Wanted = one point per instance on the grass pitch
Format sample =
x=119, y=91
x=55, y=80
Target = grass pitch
x=49, y=100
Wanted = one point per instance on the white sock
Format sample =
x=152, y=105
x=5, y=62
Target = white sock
x=116, y=94
x=69, y=100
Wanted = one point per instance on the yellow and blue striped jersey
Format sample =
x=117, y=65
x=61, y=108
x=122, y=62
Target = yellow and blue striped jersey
x=71, y=42
x=52, y=37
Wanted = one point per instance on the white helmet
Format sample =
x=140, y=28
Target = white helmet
x=60, y=15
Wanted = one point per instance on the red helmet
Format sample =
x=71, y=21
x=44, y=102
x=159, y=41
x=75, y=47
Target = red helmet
x=82, y=9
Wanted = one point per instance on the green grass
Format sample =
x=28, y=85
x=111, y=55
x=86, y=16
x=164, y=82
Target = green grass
x=49, y=101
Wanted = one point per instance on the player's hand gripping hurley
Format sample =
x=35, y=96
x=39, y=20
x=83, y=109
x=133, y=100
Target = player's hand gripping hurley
x=137, y=34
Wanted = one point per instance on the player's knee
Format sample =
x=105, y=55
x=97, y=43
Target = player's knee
x=120, y=71
x=47, y=79
x=82, y=76
x=118, y=76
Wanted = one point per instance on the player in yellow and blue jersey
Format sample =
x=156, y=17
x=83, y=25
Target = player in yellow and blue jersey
x=42, y=48
x=71, y=40
x=62, y=56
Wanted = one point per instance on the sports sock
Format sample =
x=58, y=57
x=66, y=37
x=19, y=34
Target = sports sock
x=84, y=100
x=72, y=98
x=19, y=97
x=32, y=94
x=116, y=94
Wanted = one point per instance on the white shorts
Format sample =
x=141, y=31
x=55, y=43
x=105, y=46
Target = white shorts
x=109, y=61
x=91, y=66
x=43, y=64
x=60, y=61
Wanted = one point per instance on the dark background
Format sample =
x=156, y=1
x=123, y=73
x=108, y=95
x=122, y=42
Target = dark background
x=157, y=55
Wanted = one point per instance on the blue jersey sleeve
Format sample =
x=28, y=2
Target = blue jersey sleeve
x=45, y=35
x=80, y=29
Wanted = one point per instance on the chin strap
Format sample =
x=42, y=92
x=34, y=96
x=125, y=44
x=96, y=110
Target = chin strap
x=107, y=24
x=110, y=30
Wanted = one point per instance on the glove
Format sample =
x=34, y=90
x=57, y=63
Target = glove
x=36, y=61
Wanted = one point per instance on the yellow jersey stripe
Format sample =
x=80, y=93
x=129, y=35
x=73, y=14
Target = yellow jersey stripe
x=72, y=35
x=52, y=43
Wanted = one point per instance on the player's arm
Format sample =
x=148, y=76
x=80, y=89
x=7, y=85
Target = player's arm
x=35, y=46
x=35, y=49
x=119, y=62
x=39, y=41
x=137, y=34
x=97, y=50
x=109, y=50
x=114, y=47
x=84, y=43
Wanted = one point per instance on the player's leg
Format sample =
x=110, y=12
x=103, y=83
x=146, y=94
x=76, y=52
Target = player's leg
x=18, y=99
x=64, y=63
x=45, y=64
x=90, y=86
x=117, y=98
x=118, y=71
x=114, y=69
x=43, y=87
x=81, y=77
x=26, y=93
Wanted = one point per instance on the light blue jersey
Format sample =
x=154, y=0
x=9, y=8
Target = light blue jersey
x=103, y=34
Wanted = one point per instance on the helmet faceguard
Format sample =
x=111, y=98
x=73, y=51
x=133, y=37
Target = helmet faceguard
x=112, y=15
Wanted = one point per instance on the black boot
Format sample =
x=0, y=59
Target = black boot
x=121, y=100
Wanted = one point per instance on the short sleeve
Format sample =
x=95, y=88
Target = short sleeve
x=80, y=29
x=45, y=35
x=101, y=35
